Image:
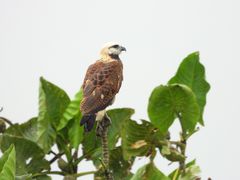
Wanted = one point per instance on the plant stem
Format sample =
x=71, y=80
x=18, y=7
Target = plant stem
x=79, y=159
x=105, y=148
x=183, y=140
x=84, y=173
x=178, y=143
x=166, y=142
x=75, y=157
x=182, y=165
x=102, y=131
x=49, y=172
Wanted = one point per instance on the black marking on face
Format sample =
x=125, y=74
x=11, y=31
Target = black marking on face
x=115, y=46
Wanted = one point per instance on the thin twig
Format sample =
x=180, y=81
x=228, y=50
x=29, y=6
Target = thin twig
x=53, y=152
x=7, y=121
x=55, y=157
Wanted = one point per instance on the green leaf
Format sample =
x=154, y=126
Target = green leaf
x=168, y=102
x=23, y=177
x=118, y=117
x=52, y=103
x=29, y=177
x=176, y=173
x=92, y=144
x=118, y=166
x=43, y=177
x=27, y=130
x=192, y=173
x=29, y=156
x=37, y=164
x=7, y=164
x=192, y=73
x=139, y=139
x=72, y=110
x=64, y=166
x=165, y=150
x=75, y=132
x=172, y=154
x=149, y=172
x=23, y=133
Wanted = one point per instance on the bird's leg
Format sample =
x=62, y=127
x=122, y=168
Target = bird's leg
x=103, y=121
x=100, y=115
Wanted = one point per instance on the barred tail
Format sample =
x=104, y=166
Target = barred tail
x=88, y=121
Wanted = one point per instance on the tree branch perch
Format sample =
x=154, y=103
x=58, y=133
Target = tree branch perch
x=102, y=131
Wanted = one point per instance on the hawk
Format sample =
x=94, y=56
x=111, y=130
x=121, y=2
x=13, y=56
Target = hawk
x=102, y=82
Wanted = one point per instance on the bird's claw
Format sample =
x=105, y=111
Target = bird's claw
x=102, y=125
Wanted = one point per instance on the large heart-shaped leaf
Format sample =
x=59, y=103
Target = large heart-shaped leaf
x=139, y=139
x=149, y=172
x=192, y=73
x=7, y=164
x=168, y=102
x=52, y=103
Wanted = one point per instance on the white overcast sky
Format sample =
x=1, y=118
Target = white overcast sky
x=59, y=39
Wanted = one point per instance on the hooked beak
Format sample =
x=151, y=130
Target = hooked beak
x=123, y=48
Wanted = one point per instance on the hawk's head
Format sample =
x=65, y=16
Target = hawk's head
x=111, y=50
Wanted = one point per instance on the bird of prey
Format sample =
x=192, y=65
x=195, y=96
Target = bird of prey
x=102, y=82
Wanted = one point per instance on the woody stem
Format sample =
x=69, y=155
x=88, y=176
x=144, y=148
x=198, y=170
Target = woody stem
x=103, y=127
x=183, y=140
x=105, y=150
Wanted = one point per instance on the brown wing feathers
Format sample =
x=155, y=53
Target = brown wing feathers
x=100, y=86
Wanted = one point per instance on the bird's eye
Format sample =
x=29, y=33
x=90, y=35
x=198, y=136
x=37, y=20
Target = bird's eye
x=115, y=46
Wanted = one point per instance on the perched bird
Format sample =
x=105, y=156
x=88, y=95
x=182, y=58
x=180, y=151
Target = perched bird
x=101, y=83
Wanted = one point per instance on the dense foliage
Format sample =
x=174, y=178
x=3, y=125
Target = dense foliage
x=27, y=148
